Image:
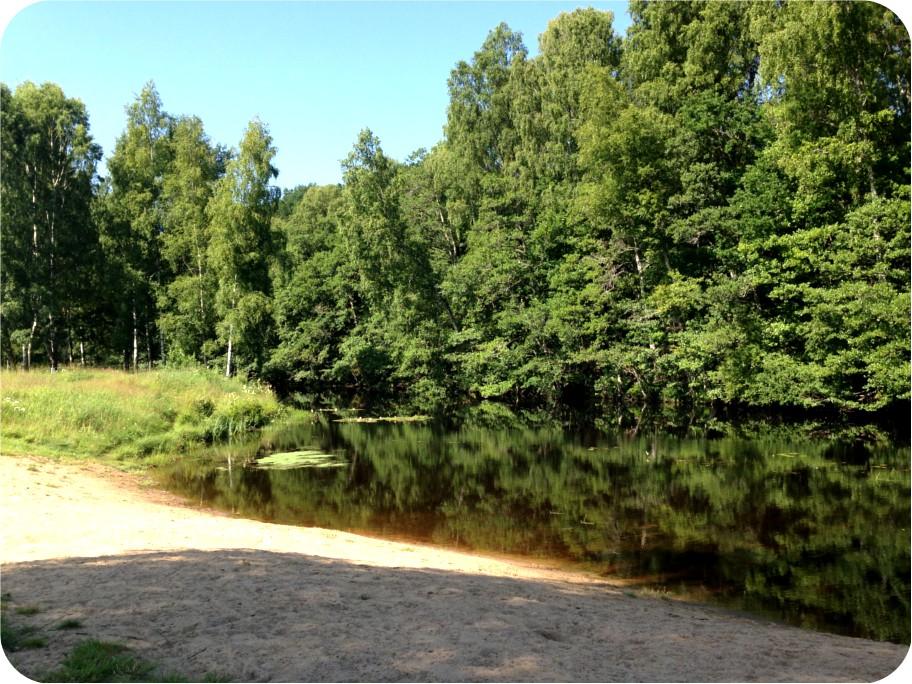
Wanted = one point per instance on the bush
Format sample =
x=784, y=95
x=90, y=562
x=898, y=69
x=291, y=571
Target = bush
x=237, y=415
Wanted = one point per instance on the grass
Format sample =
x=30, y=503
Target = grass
x=90, y=660
x=69, y=623
x=658, y=592
x=126, y=418
x=101, y=661
x=20, y=637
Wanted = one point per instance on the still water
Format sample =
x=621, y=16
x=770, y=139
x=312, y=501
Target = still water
x=812, y=532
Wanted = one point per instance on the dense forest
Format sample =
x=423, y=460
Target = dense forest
x=705, y=218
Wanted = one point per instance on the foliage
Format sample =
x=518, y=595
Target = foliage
x=242, y=243
x=703, y=220
x=48, y=240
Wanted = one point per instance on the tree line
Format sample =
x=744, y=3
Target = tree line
x=707, y=216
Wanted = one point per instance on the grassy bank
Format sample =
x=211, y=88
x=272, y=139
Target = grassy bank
x=124, y=417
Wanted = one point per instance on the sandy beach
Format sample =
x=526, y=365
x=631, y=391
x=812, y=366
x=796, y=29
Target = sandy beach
x=204, y=593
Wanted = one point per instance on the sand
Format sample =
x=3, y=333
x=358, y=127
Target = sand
x=203, y=593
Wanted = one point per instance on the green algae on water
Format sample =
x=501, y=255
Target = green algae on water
x=306, y=458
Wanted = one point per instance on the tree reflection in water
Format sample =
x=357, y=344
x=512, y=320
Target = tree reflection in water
x=814, y=532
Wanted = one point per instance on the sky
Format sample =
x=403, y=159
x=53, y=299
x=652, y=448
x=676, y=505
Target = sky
x=315, y=72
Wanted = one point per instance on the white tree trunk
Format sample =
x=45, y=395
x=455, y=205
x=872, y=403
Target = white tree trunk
x=148, y=347
x=52, y=351
x=135, y=342
x=228, y=364
x=640, y=268
x=28, y=365
x=199, y=275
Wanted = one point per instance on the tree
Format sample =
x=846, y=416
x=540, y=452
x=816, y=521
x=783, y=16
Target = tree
x=677, y=49
x=316, y=303
x=241, y=249
x=187, y=302
x=397, y=344
x=137, y=168
x=478, y=118
x=48, y=236
x=705, y=219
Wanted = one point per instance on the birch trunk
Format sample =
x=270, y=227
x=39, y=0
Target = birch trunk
x=199, y=274
x=640, y=268
x=228, y=364
x=148, y=347
x=52, y=347
x=28, y=365
x=135, y=342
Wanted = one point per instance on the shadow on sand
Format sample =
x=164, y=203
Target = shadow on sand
x=254, y=616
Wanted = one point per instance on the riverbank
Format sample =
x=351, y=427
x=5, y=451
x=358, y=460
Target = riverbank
x=200, y=592
x=128, y=419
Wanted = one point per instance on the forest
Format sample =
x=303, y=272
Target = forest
x=706, y=218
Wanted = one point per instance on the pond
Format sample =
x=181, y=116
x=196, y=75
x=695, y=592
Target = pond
x=815, y=533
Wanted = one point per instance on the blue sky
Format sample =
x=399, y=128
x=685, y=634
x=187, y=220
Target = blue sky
x=315, y=72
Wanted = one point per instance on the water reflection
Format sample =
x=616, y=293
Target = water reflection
x=815, y=533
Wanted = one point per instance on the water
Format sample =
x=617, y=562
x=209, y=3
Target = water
x=814, y=533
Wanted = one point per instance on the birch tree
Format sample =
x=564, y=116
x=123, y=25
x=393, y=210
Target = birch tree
x=49, y=166
x=138, y=165
x=241, y=249
x=187, y=302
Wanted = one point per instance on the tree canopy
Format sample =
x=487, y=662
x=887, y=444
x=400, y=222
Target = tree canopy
x=707, y=217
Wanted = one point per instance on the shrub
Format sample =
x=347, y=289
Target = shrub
x=239, y=414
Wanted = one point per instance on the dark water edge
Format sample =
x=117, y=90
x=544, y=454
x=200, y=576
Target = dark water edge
x=814, y=532
x=889, y=423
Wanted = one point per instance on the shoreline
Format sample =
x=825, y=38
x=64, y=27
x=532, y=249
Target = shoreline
x=201, y=591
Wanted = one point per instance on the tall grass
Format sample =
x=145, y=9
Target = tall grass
x=111, y=414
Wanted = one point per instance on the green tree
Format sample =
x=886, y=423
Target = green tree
x=478, y=118
x=187, y=302
x=48, y=238
x=397, y=343
x=241, y=249
x=141, y=158
x=677, y=49
x=316, y=302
